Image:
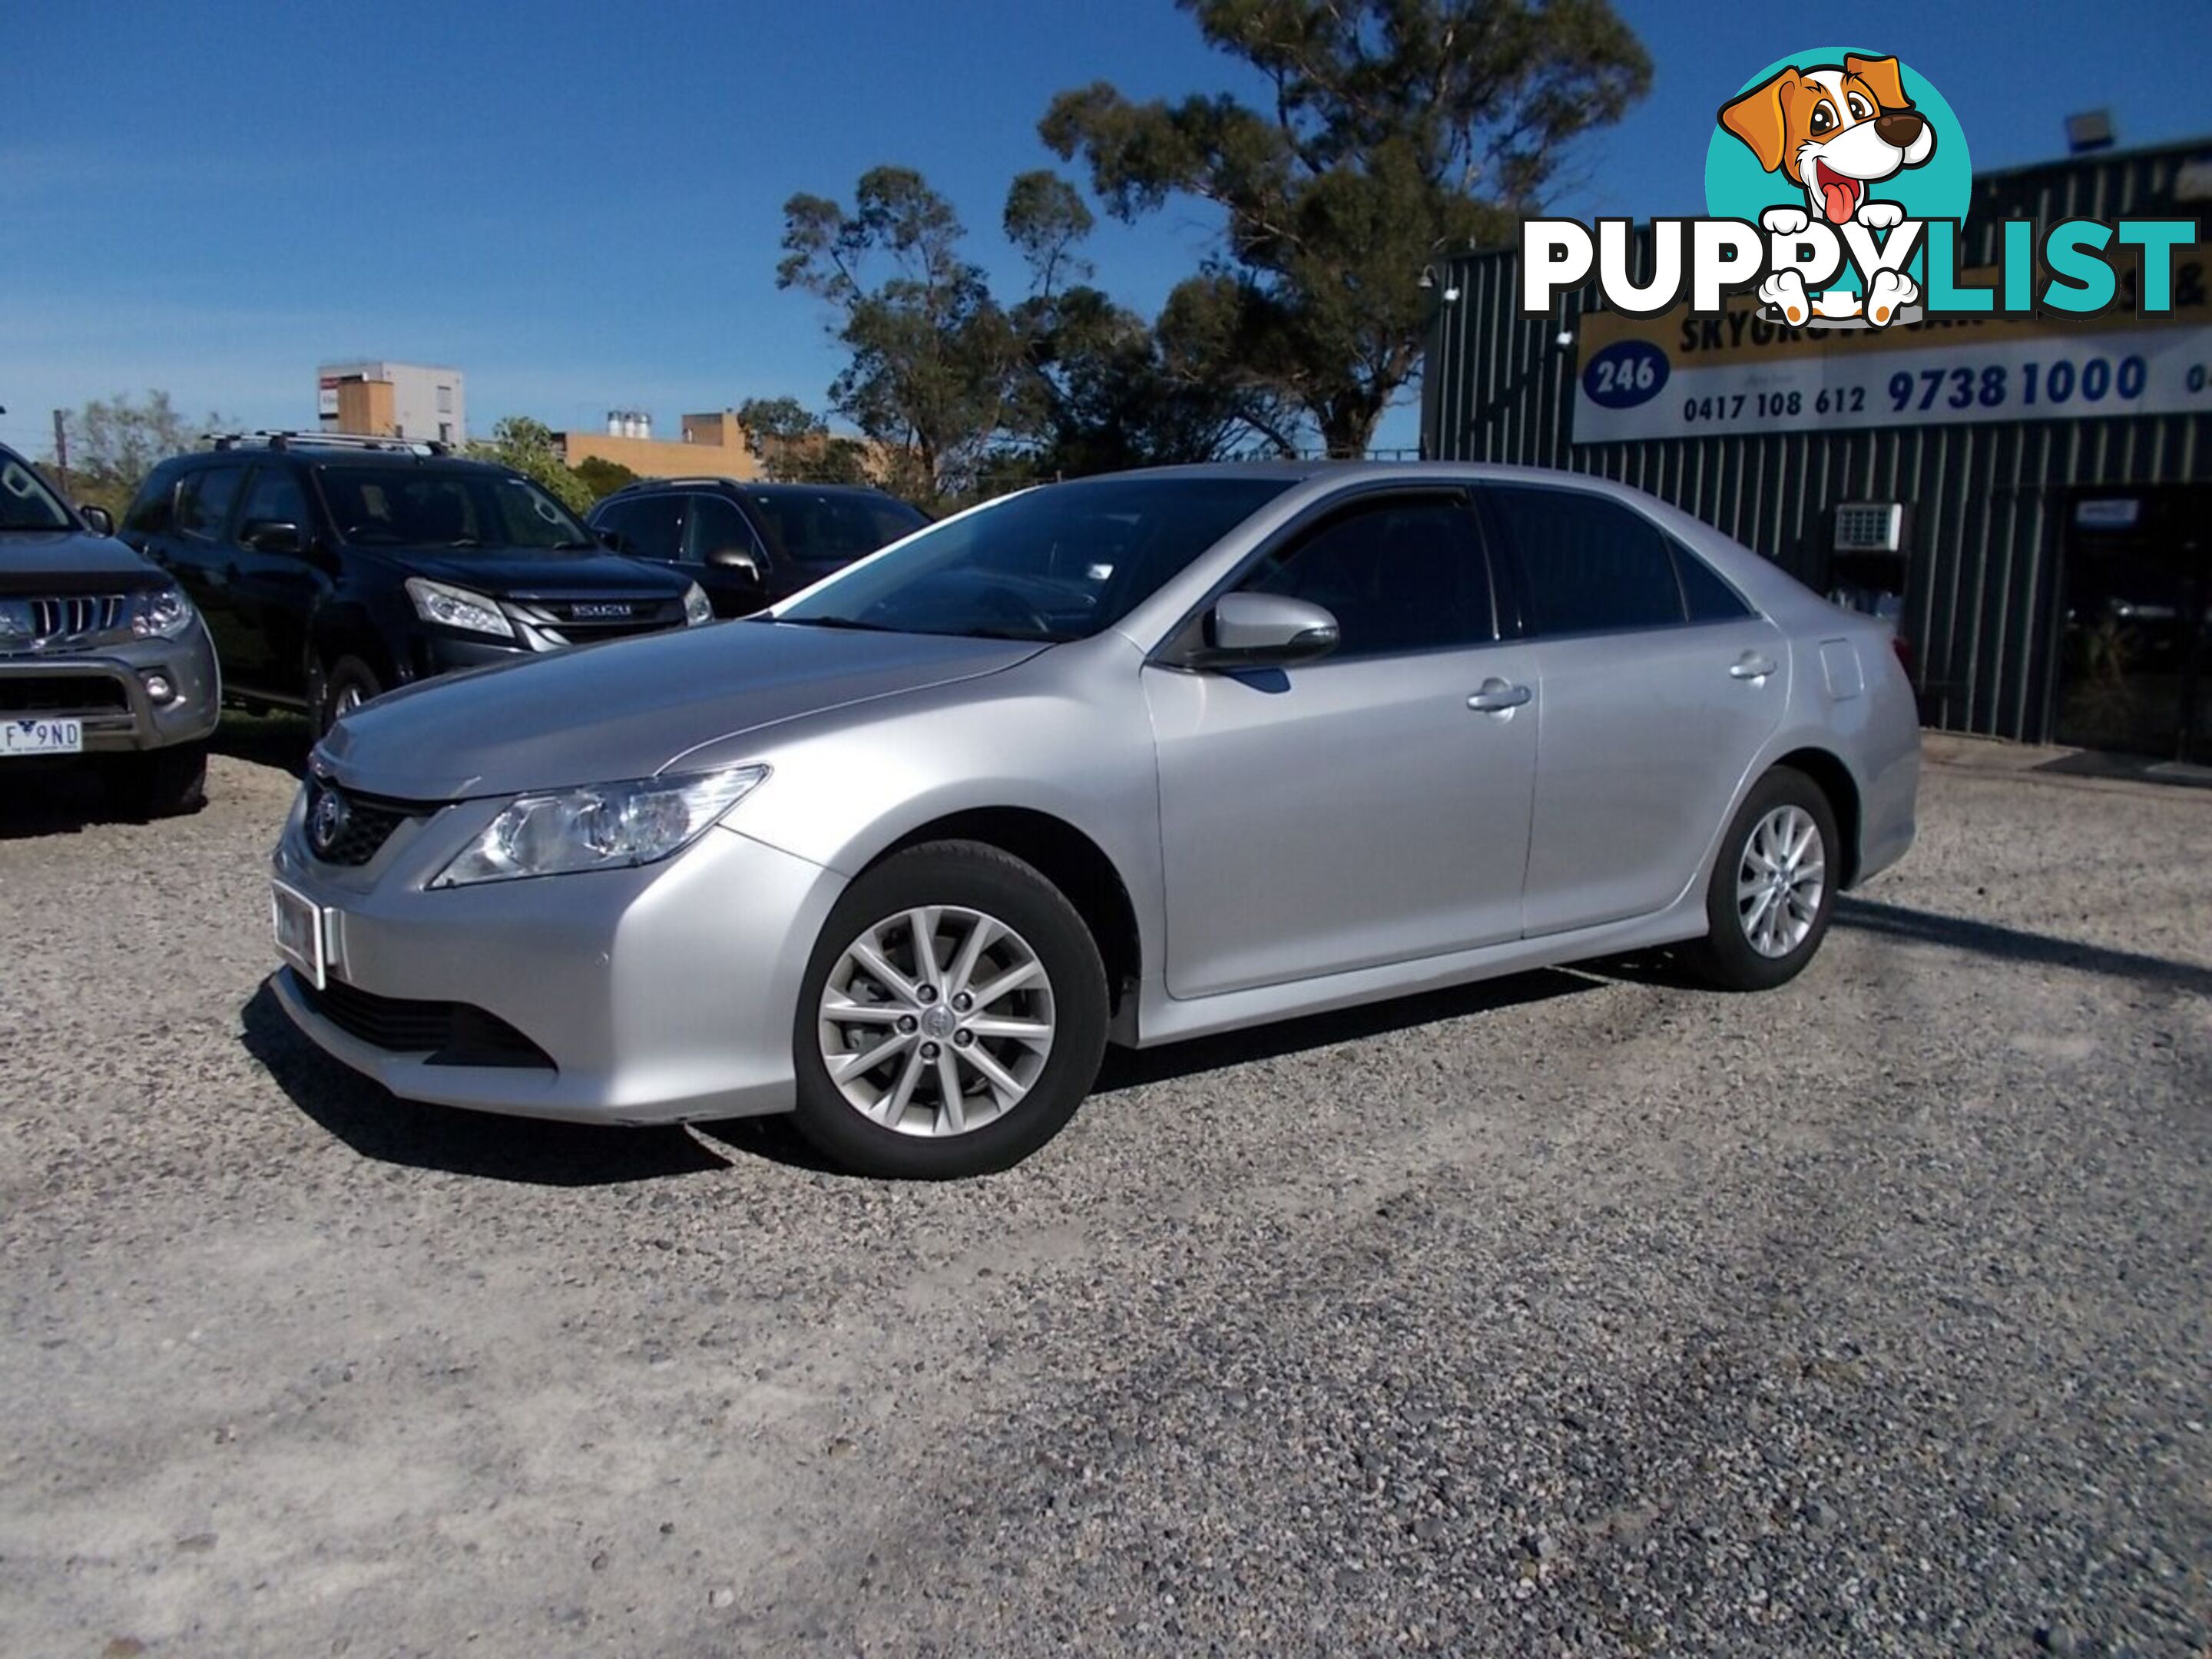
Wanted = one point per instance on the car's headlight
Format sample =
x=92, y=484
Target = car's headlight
x=697, y=608
x=159, y=613
x=602, y=826
x=457, y=607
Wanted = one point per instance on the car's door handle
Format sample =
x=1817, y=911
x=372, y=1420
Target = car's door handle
x=1752, y=666
x=1496, y=696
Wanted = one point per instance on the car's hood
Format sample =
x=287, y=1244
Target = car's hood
x=514, y=573
x=627, y=709
x=71, y=562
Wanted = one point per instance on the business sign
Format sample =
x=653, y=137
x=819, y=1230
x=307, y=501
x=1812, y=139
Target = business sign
x=326, y=397
x=1685, y=376
x=1823, y=288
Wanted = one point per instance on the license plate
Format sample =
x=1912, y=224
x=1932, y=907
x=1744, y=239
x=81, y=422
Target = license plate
x=299, y=923
x=35, y=736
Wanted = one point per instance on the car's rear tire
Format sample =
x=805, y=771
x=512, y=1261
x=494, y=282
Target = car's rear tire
x=159, y=783
x=1006, y=1020
x=341, y=688
x=1773, y=886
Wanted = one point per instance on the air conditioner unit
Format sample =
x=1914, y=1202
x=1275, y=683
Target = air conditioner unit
x=1869, y=528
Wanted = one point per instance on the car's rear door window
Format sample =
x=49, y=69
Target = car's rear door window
x=1400, y=574
x=1588, y=564
x=653, y=528
x=1708, y=597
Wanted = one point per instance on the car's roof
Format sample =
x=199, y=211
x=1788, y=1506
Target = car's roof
x=312, y=454
x=1301, y=469
x=749, y=486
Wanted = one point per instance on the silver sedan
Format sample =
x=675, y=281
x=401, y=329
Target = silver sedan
x=1132, y=759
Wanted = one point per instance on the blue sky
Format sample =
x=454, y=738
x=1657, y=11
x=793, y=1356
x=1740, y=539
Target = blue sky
x=580, y=204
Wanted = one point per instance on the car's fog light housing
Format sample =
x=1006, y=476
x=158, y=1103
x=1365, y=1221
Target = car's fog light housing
x=602, y=826
x=159, y=688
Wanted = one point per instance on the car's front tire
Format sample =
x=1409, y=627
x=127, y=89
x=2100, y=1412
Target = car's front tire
x=1773, y=886
x=340, y=688
x=159, y=783
x=952, y=1017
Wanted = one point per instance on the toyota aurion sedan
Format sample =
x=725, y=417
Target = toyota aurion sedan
x=1132, y=759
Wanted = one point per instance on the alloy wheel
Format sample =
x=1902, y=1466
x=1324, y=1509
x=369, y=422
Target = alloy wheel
x=1780, y=881
x=936, y=1021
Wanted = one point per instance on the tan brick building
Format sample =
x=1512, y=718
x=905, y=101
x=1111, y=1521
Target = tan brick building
x=713, y=445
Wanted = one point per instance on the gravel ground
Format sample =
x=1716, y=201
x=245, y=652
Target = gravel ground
x=1583, y=1313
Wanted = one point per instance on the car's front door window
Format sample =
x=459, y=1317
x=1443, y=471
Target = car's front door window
x=716, y=526
x=274, y=497
x=1399, y=575
x=202, y=509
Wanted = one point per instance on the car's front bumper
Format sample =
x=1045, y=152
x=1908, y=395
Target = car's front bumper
x=105, y=687
x=659, y=994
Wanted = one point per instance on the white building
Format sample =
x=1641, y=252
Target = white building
x=391, y=400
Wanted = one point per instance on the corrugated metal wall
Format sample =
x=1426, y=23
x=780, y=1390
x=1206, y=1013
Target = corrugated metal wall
x=1987, y=502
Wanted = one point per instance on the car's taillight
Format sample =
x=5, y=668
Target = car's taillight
x=1896, y=643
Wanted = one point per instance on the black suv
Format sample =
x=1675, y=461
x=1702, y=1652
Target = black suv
x=332, y=569
x=750, y=544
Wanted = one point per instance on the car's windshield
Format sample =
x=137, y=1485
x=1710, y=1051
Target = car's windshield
x=1059, y=563
x=832, y=526
x=421, y=506
x=25, y=504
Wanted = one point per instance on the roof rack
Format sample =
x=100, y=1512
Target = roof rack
x=327, y=440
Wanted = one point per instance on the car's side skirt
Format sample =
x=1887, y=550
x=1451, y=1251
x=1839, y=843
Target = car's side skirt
x=1162, y=1018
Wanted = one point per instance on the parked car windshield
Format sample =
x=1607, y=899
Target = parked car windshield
x=830, y=526
x=415, y=506
x=25, y=504
x=1059, y=563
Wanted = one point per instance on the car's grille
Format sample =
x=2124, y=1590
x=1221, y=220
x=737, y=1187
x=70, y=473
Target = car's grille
x=352, y=828
x=61, y=694
x=585, y=620
x=450, y=1033
x=61, y=617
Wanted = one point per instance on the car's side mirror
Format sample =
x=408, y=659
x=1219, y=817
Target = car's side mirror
x=609, y=539
x=98, y=519
x=738, y=559
x=1263, y=630
x=273, y=536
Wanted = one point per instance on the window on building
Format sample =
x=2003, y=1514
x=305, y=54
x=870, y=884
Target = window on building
x=1591, y=564
x=445, y=400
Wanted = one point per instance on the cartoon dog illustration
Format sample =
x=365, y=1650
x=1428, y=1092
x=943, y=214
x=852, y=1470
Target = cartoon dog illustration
x=1835, y=131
